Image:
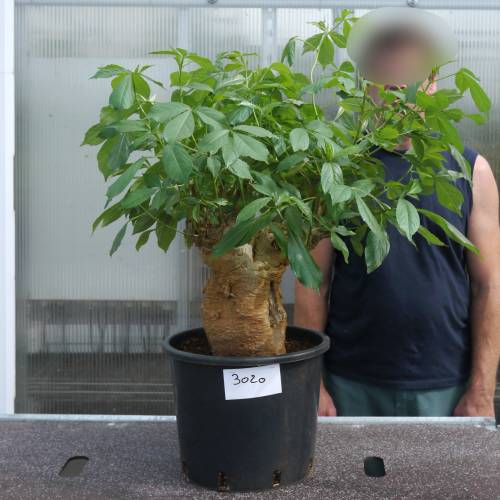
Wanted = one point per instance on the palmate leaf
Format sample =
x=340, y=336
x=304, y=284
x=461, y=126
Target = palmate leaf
x=230, y=132
x=180, y=127
x=177, y=162
x=248, y=146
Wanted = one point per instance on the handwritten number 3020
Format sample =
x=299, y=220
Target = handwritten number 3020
x=252, y=380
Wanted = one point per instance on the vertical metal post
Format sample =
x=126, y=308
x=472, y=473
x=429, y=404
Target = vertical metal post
x=184, y=288
x=269, y=36
x=7, y=228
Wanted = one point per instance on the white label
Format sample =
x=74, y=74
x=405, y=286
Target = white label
x=254, y=382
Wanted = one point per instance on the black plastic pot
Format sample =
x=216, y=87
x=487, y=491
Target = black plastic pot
x=253, y=443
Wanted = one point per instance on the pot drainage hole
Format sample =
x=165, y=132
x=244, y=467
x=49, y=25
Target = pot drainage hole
x=276, y=478
x=73, y=466
x=222, y=482
x=374, y=466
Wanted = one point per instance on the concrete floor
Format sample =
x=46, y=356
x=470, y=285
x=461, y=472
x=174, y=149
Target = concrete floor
x=138, y=458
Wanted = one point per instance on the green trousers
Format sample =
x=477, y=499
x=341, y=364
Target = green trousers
x=358, y=399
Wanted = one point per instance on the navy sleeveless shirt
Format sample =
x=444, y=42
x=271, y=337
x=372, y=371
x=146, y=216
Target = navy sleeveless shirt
x=405, y=325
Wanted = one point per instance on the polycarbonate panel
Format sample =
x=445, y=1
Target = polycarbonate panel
x=89, y=326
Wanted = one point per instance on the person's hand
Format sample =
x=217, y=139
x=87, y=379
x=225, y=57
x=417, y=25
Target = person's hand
x=326, y=408
x=474, y=403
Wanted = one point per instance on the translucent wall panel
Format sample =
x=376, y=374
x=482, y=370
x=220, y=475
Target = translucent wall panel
x=89, y=326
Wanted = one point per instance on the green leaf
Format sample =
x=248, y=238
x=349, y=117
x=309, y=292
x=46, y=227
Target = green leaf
x=123, y=181
x=135, y=198
x=480, y=98
x=112, y=155
x=302, y=264
x=240, y=169
x=123, y=95
x=124, y=126
x=339, y=244
x=214, y=165
x=142, y=240
x=180, y=127
x=299, y=139
x=290, y=161
x=248, y=146
x=212, y=117
x=312, y=43
x=363, y=186
x=213, y=141
x=118, y=239
x=388, y=133
x=177, y=162
x=252, y=208
x=464, y=164
x=340, y=193
x=164, y=111
x=431, y=238
x=454, y=233
x=449, y=195
x=200, y=86
x=288, y=53
x=108, y=216
x=165, y=233
x=331, y=173
x=407, y=217
x=92, y=137
x=239, y=234
x=204, y=62
x=325, y=54
x=109, y=71
x=367, y=216
x=450, y=132
x=465, y=79
x=376, y=249
x=340, y=39
x=257, y=131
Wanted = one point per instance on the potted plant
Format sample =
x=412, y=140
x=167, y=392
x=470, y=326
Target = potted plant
x=249, y=159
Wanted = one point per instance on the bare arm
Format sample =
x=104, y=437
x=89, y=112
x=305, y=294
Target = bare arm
x=311, y=309
x=310, y=306
x=484, y=271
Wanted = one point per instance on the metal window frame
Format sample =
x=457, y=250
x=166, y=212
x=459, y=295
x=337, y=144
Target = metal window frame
x=7, y=218
x=7, y=229
x=288, y=4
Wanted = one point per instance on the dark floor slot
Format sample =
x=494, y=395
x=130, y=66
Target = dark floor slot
x=276, y=478
x=73, y=466
x=374, y=466
x=222, y=482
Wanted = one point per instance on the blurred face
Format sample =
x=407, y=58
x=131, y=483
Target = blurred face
x=396, y=64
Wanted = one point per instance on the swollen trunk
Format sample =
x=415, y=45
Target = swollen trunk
x=242, y=309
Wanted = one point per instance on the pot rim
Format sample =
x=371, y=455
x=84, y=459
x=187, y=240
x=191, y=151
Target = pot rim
x=206, y=359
